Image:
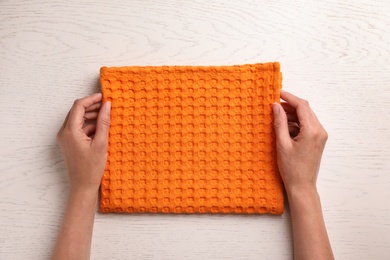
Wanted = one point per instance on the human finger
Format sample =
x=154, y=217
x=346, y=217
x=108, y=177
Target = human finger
x=89, y=128
x=76, y=117
x=292, y=118
x=95, y=106
x=280, y=125
x=290, y=112
x=303, y=110
x=291, y=99
x=287, y=107
x=293, y=129
x=91, y=115
x=103, y=124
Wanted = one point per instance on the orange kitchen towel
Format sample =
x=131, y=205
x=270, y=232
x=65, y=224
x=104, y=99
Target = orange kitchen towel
x=192, y=139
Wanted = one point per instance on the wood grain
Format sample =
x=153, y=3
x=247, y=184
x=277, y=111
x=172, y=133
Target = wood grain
x=333, y=53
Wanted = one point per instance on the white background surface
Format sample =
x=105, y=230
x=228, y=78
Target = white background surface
x=335, y=53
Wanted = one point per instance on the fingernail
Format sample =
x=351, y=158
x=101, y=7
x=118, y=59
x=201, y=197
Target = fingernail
x=275, y=108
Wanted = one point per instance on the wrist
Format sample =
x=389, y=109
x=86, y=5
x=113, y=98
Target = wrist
x=304, y=203
x=83, y=194
x=302, y=193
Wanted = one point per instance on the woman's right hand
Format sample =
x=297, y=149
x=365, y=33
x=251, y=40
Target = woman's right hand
x=300, y=141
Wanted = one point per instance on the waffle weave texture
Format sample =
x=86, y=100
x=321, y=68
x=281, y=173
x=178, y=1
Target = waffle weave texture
x=192, y=139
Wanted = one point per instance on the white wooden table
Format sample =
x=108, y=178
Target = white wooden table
x=334, y=53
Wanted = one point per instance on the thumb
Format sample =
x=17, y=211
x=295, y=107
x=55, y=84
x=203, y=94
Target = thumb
x=280, y=125
x=103, y=125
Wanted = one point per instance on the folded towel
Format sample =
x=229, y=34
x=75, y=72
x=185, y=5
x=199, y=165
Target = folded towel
x=192, y=139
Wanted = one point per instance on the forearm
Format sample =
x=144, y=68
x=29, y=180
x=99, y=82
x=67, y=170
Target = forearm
x=74, y=238
x=309, y=232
